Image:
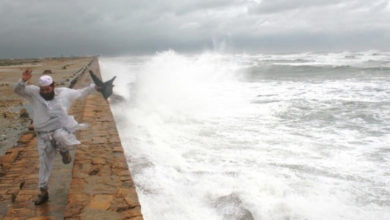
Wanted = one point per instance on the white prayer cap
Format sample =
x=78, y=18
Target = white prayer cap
x=45, y=80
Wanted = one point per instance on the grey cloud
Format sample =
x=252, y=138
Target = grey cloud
x=308, y=41
x=274, y=6
x=53, y=28
x=280, y=6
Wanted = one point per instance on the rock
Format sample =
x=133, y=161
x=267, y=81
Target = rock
x=76, y=204
x=136, y=218
x=27, y=137
x=131, y=201
x=20, y=212
x=13, y=197
x=122, y=192
x=28, y=192
x=46, y=72
x=2, y=173
x=99, y=140
x=124, y=173
x=100, y=202
x=94, y=171
x=119, y=165
x=119, y=205
x=10, y=156
x=118, y=149
x=98, y=214
x=42, y=218
x=25, y=198
x=23, y=113
x=21, y=184
x=134, y=212
x=100, y=161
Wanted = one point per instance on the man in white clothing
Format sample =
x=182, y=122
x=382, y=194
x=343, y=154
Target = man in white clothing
x=52, y=124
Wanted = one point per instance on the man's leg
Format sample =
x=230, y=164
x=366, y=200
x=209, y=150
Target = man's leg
x=63, y=139
x=66, y=158
x=47, y=154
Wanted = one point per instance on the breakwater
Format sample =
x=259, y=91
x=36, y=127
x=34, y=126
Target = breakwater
x=97, y=184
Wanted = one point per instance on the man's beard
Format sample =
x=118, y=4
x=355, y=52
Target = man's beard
x=47, y=96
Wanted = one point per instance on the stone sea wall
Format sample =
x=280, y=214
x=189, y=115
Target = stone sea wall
x=96, y=185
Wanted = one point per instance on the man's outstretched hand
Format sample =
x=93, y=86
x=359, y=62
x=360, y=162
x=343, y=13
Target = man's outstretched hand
x=26, y=75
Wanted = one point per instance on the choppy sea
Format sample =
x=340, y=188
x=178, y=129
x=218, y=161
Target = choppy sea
x=216, y=136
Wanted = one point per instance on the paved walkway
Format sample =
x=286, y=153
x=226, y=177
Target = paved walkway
x=97, y=185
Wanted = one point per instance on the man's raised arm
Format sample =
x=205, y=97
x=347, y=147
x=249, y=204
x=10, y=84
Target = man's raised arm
x=20, y=87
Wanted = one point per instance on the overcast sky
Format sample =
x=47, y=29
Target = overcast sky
x=33, y=28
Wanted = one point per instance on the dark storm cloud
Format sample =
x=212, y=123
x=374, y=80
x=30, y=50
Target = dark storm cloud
x=274, y=6
x=53, y=28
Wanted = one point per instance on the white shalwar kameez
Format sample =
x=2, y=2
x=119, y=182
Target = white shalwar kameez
x=52, y=124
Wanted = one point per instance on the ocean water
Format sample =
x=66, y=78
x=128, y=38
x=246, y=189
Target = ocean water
x=237, y=136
